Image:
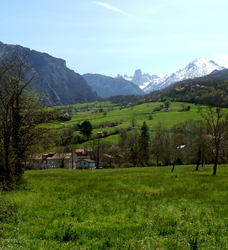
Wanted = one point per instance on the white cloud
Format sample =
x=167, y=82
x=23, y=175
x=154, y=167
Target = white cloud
x=107, y=6
x=223, y=58
x=212, y=43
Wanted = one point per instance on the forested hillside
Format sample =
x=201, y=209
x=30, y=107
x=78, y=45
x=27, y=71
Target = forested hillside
x=209, y=90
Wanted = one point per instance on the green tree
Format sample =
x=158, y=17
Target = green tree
x=86, y=129
x=144, y=144
x=66, y=136
x=133, y=148
x=122, y=138
x=167, y=104
x=133, y=122
x=20, y=112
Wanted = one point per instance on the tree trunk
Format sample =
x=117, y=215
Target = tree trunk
x=198, y=160
x=215, y=169
x=157, y=161
x=173, y=167
x=216, y=160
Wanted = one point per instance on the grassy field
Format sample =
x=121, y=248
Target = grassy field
x=140, y=113
x=125, y=116
x=134, y=208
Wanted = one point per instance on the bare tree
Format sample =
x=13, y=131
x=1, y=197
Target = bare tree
x=160, y=145
x=216, y=121
x=97, y=146
x=129, y=146
x=175, y=147
x=197, y=140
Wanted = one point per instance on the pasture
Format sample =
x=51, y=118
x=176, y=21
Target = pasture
x=140, y=113
x=115, y=116
x=131, y=208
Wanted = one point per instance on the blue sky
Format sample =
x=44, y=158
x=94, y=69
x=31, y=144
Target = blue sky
x=113, y=37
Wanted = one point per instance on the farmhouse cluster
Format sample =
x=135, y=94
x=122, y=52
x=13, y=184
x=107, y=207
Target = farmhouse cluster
x=80, y=159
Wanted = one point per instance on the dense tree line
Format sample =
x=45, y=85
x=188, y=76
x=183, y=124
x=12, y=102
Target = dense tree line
x=125, y=99
x=192, y=142
x=209, y=92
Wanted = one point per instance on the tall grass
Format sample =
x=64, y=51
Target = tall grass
x=135, y=208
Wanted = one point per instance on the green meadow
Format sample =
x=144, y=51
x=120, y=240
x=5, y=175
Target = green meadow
x=124, y=208
x=126, y=116
x=142, y=112
x=131, y=208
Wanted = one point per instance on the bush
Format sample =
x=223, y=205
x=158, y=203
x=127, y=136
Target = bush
x=110, y=124
x=66, y=235
x=105, y=133
x=65, y=117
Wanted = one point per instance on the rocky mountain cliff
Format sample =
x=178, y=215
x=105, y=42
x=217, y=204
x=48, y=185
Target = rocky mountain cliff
x=60, y=84
x=142, y=80
x=107, y=86
x=197, y=68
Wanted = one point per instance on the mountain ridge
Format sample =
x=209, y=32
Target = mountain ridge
x=63, y=86
x=60, y=84
x=197, y=68
x=107, y=86
x=210, y=90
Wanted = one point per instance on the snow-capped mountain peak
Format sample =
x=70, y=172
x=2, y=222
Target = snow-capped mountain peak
x=203, y=66
x=142, y=80
x=197, y=68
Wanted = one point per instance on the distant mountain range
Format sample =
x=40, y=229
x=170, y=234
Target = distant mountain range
x=199, y=67
x=63, y=86
x=141, y=84
x=107, y=86
x=211, y=90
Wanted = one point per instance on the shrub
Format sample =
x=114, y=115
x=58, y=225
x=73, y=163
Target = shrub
x=67, y=235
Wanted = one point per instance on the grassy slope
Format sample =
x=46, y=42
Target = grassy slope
x=137, y=208
x=139, y=113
